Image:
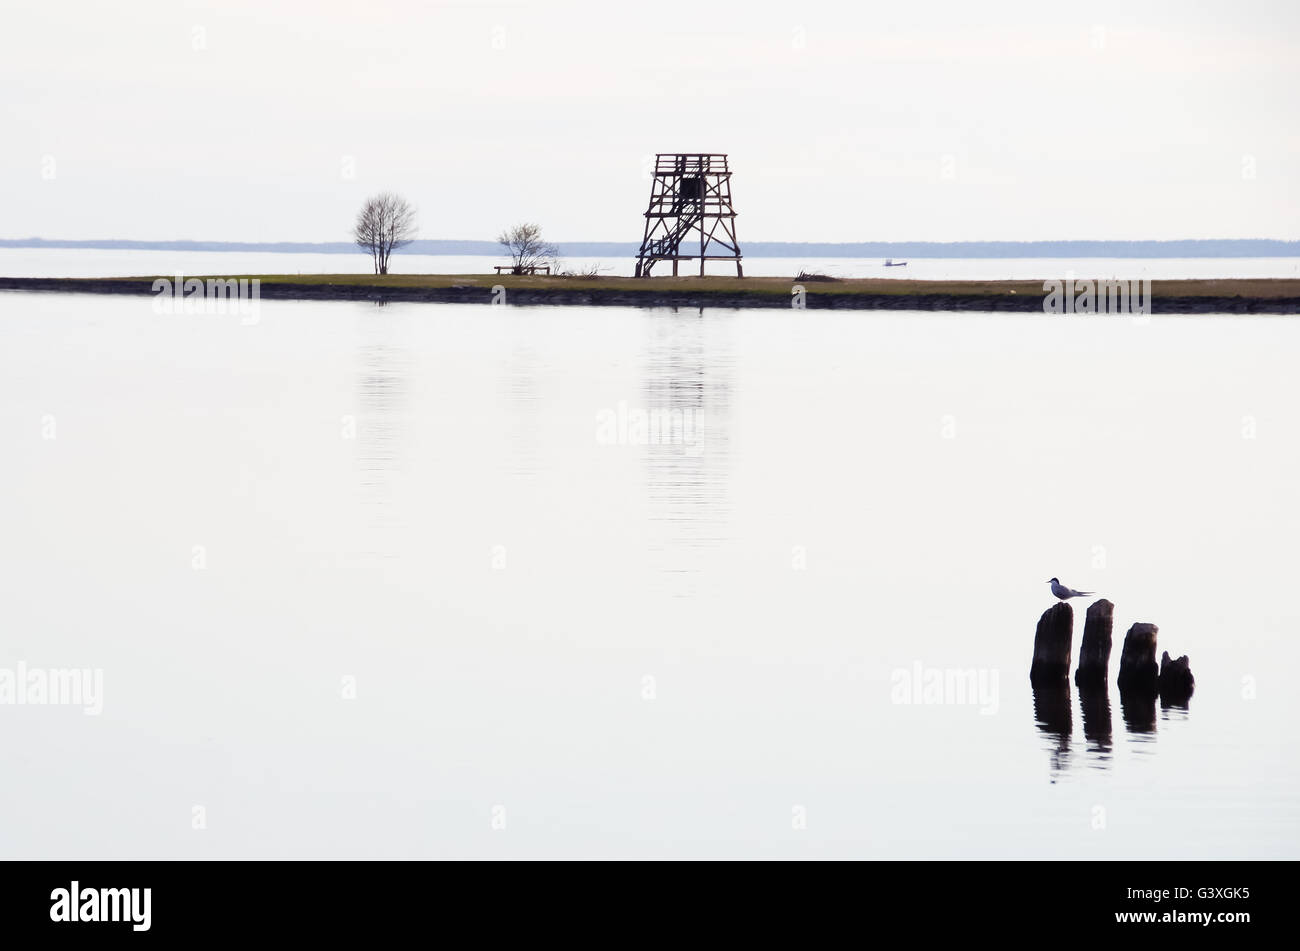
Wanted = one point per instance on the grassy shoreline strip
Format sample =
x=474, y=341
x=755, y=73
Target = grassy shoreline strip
x=1235, y=295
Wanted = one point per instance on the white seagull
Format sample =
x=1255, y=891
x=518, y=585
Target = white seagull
x=1065, y=594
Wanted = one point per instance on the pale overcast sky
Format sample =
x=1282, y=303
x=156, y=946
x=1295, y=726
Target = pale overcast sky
x=261, y=121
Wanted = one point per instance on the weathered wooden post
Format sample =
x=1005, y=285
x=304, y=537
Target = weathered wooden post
x=1138, y=670
x=1176, y=680
x=1052, y=645
x=1094, y=651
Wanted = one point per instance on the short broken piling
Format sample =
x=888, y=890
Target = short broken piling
x=1176, y=680
x=1094, y=651
x=1052, y=645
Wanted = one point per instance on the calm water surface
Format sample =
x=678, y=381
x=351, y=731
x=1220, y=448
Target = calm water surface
x=439, y=580
x=83, y=262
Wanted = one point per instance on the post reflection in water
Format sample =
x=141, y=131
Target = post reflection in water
x=689, y=364
x=1174, y=709
x=1054, y=717
x=1094, y=703
x=1139, y=710
x=377, y=425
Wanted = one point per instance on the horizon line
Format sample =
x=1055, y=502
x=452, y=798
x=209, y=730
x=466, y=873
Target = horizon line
x=1065, y=247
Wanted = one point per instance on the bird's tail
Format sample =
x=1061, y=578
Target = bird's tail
x=1085, y=594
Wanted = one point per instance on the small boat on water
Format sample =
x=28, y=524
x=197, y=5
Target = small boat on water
x=890, y=262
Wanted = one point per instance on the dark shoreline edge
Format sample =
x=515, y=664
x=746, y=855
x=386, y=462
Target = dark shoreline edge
x=818, y=300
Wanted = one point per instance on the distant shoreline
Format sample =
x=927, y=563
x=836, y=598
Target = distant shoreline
x=1191, y=248
x=1228, y=296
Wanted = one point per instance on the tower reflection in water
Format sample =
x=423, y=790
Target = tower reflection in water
x=688, y=370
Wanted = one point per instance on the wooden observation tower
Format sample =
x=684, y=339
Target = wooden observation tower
x=690, y=214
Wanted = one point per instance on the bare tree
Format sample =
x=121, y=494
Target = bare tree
x=526, y=247
x=385, y=223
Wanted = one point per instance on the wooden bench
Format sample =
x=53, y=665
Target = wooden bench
x=527, y=269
